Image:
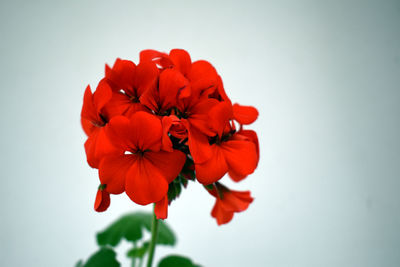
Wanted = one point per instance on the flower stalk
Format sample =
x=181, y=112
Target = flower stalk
x=154, y=234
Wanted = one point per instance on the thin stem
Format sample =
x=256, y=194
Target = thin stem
x=133, y=258
x=154, y=234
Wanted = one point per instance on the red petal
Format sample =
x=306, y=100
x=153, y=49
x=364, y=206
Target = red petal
x=157, y=57
x=171, y=82
x=102, y=95
x=89, y=111
x=143, y=131
x=88, y=126
x=181, y=60
x=177, y=129
x=121, y=104
x=198, y=144
x=118, y=105
x=144, y=183
x=146, y=77
x=214, y=169
x=102, y=201
x=220, y=92
x=93, y=103
x=244, y=114
x=199, y=115
x=166, y=141
x=236, y=201
x=150, y=55
x=98, y=146
x=241, y=157
x=161, y=208
x=122, y=75
x=251, y=135
x=150, y=98
x=219, y=117
x=243, y=195
x=237, y=177
x=112, y=172
x=203, y=76
x=169, y=164
x=221, y=215
x=118, y=132
x=146, y=131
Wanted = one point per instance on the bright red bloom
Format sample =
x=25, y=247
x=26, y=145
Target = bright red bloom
x=129, y=82
x=230, y=152
x=189, y=89
x=93, y=120
x=141, y=168
x=171, y=84
x=237, y=156
x=228, y=202
x=153, y=126
x=102, y=201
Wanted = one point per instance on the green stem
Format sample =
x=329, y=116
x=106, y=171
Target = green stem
x=133, y=258
x=154, y=234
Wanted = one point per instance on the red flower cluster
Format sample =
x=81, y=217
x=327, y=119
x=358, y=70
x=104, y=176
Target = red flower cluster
x=152, y=127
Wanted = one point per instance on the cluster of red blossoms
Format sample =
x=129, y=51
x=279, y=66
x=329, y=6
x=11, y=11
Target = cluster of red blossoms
x=152, y=127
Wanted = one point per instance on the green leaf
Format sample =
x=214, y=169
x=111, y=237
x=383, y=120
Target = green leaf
x=165, y=235
x=79, y=263
x=176, y=261
x=138, y=252
x=105, y=257
x=130, y=227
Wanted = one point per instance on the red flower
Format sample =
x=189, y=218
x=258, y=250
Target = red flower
x=93, y=120
x=231, y=152
x=189, y=88
x=171, y=85
x=129, y=82
x=228, y=202
x=237, y=155
x=153, y=126
x=141, y=168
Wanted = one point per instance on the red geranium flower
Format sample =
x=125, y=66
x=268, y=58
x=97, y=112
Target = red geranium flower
x=236, y=155
x=93, y=119
x=129, y=82
x=228, y=202
x=153, y=126
x=140, y=168
x=232, y=152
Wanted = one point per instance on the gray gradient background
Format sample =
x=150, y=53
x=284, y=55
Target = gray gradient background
x=324, y=75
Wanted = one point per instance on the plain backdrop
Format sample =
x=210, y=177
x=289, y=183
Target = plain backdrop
x=324, y=76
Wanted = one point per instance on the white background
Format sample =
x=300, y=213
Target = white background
x=324, y=76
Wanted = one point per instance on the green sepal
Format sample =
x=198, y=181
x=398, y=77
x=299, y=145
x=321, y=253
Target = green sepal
x=209, y=186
